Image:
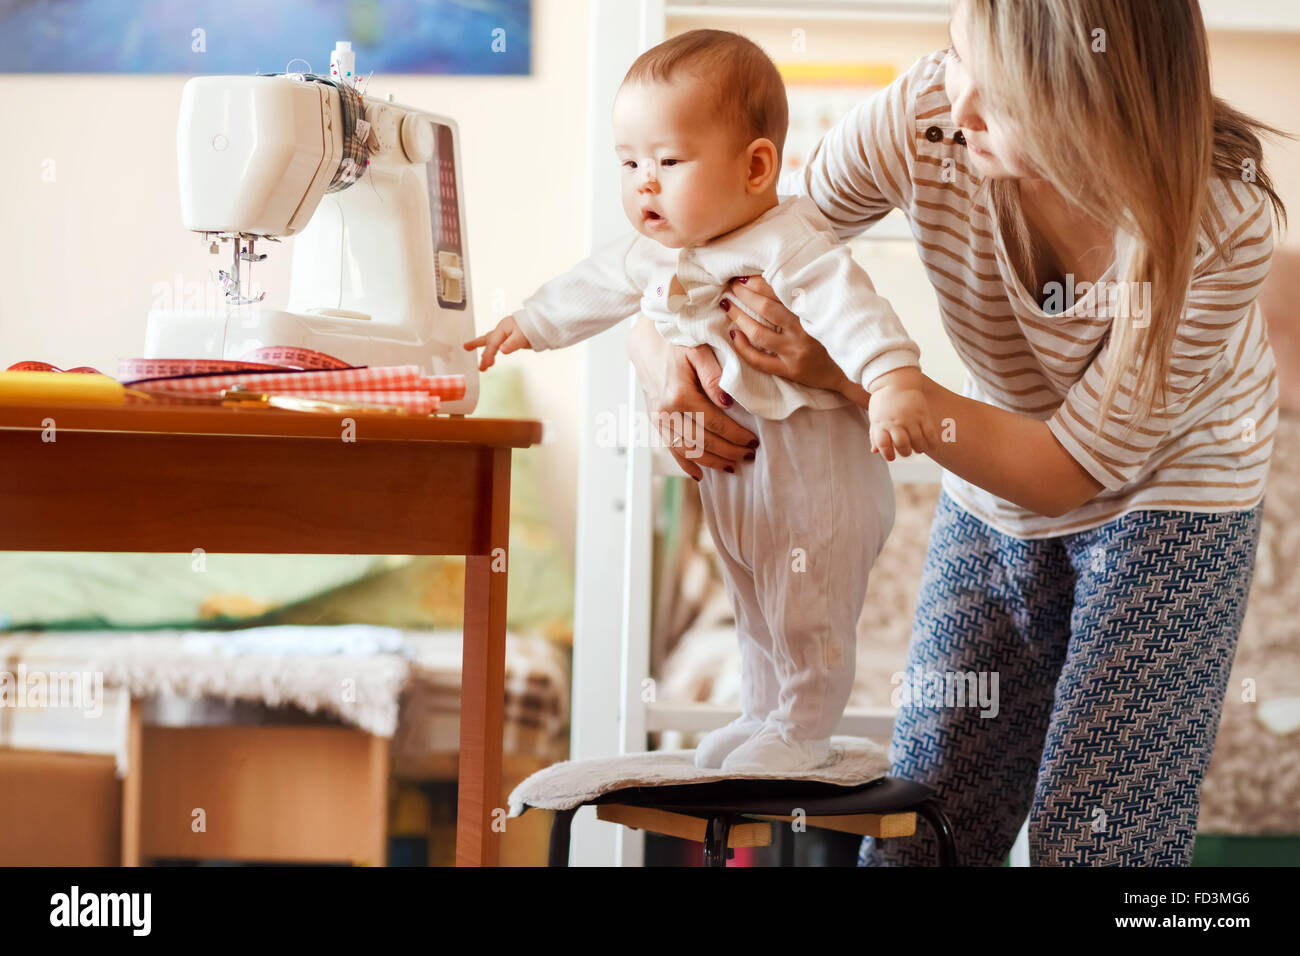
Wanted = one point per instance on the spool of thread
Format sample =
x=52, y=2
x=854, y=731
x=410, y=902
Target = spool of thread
x=343, y=63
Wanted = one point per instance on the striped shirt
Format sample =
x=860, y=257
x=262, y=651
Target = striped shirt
x=1206, y=449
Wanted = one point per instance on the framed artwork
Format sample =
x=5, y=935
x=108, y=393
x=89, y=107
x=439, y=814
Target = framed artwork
x=464, y=37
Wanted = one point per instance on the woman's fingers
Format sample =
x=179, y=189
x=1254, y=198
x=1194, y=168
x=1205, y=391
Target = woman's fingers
x=688, y=465
x=763, y=361
x=706, y=459
x=726, y=438
x=796, y=355
x=758, y=335
x=705, y=437
x=760, y=301
x=671, y=436
x=709, y=374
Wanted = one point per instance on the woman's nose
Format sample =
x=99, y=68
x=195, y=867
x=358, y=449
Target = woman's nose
x=965, y=110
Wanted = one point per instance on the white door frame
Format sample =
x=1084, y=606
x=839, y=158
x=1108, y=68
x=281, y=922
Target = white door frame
x=611, y=641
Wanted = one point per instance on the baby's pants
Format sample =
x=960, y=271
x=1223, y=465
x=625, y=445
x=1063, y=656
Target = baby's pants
x=798, y=530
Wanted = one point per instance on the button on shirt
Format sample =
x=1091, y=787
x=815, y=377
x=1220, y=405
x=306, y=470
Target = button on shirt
x=792, y=246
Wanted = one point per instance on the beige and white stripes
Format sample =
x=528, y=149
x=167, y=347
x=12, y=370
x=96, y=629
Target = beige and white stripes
x=1207, y=449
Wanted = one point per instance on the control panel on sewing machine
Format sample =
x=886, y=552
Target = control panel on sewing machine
x=368, y=194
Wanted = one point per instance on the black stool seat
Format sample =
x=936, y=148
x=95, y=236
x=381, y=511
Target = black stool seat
x=723, y=802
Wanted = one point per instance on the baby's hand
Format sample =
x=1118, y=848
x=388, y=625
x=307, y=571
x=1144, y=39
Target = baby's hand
x=506, y=337
x=900, y=415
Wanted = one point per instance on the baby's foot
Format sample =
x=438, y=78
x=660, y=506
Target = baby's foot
x=716, y=744
x=770, y=750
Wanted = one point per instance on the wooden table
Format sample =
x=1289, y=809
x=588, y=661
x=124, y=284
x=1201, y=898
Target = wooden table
x=177, y=478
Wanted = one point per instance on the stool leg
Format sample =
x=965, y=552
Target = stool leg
x=939, y=823
x=559, y=852
x=716, y=835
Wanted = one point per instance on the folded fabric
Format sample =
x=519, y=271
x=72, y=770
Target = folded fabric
x=391, y=378
x=419, y=402
x=285, y=370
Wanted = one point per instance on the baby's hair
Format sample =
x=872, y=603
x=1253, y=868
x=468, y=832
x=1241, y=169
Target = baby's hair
x=749, y=87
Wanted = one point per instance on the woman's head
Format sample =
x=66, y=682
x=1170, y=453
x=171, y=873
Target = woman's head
x=1110, y=102
x=1074, y=90
x=699, y=126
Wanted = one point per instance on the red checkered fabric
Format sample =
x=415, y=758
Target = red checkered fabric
x=355, y=381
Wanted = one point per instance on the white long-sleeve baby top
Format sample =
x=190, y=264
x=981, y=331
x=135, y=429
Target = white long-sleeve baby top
x=792, y=245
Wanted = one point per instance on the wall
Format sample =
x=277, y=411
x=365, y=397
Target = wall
x=80, y=255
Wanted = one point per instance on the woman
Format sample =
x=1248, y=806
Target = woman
x=1094, y=542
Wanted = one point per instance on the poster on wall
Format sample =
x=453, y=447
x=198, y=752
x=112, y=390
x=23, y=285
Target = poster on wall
x=820, y=95
x=459, y=37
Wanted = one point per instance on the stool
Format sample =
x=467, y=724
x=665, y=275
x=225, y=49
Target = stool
x=715, y=813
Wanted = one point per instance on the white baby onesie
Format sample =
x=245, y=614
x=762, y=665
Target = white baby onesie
x=792, y=245
x=798, y=528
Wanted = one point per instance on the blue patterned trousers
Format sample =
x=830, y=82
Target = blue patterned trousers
x=1105, y=654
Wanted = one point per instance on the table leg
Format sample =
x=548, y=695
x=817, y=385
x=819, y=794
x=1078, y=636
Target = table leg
x=132, y=786
x=482, y=691
x=378, y=774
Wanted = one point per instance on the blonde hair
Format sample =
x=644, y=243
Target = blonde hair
x=1145, y=137
x=748, y=92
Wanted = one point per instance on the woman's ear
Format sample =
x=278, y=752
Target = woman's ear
x=764, y=167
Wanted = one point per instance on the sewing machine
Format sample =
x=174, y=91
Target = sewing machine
x=379, y=273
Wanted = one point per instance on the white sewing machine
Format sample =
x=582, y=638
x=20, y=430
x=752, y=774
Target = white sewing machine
x=379, y=273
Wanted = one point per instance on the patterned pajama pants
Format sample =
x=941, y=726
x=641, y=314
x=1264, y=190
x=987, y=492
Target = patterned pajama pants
x=1111, y=649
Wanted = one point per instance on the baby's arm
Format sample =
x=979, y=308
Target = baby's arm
x=593, y=296
x=838, y=305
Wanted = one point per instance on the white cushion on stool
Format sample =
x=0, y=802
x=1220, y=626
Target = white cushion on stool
x=562, y=786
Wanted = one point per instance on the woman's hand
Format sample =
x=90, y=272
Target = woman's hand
x=683, y=398
x=771, y=338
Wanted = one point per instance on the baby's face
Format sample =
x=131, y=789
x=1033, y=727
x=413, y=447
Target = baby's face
x=683, y=175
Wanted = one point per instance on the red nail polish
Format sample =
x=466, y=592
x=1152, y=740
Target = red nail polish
x=726, y=306
x=753, y=444
x=732, y=334
x=729, y=470
x=744, y=278
x=749, y=456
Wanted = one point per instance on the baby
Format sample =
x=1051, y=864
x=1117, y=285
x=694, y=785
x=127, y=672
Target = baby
x=699, y=125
